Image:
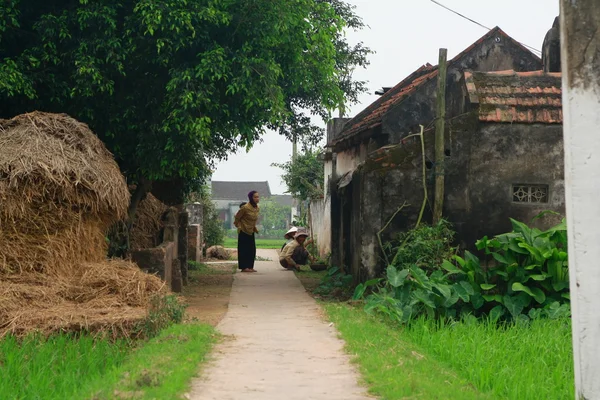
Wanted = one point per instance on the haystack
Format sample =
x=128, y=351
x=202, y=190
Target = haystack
x=60, y=190
x=147, y=223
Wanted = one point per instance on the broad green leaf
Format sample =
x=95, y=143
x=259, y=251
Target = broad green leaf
x=359, y=292
x=500, y=258
x=497, y=312
x=493, y=297
x=468, y=287
x=452, y=300
x=539, y=277
x=477, y=301
x=487, y=286
x=461, y=292
x=444, y=290
x=451, y=268
x=396, y=278
x=420, y=277
x=372, y=282
x=513, y=306
x=423, y=297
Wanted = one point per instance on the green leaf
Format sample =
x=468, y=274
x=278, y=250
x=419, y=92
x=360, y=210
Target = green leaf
x=396, y=278
x=513, y=305
x=493, y=297
x=452, y=300
x=487, y=286
x=477, y=301
x=444, y=290
x=534, y=292
x=451, y=268
x=420, y=277
x=461, y=292
x=359, y=292
x=468, y=287
x=423, y=297
x=497, y=312
x=539, y=277
x=500, y=258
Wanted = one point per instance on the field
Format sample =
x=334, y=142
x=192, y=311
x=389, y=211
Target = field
x=260, y=243
x=460, y=360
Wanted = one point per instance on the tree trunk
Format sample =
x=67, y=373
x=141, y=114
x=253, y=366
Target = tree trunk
x=140, y=192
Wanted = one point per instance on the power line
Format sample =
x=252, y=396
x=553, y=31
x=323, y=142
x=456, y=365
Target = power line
x=479, y=24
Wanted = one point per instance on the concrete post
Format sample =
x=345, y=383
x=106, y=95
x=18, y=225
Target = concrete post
x=580, y=50
x=182, y=246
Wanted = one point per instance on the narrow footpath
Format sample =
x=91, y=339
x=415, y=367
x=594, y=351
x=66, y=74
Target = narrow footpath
x=278, y=346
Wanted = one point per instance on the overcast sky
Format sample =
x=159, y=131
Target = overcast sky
x=405, y=34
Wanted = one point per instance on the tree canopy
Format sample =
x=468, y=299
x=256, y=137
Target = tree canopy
x=172, y=85
x=304, y=176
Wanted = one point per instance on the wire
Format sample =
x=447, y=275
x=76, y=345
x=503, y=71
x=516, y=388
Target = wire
x=479, y=24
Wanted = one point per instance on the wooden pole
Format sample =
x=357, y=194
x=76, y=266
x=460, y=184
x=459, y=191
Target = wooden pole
x=580, y=51
x=438, y=204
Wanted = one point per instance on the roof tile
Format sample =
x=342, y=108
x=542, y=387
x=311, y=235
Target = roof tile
x=509, y=96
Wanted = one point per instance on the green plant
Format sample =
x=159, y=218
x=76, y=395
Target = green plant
x=55, y=367
x=335, y=284
x=526, y=278
x=528, y=272
x=165, y=310
x=304, y=175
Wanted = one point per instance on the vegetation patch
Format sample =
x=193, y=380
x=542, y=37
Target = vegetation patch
x=393, y=367
x=160, y=369
x=459, y=360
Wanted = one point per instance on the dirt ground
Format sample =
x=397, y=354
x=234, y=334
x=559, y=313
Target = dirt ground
x=207, y=294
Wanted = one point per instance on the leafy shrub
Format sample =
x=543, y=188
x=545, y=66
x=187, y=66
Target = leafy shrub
x=527, y=276
x=335, y=284
x=214, y=233
x=164, y=312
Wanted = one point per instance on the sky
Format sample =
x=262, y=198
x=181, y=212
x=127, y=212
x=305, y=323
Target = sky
x=405, y=34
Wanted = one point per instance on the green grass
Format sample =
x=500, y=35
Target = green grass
x=459, y=361
x=63, y=367
x=260, y=243
x=392, y=367
x=161, y=369
x=55, y=368
x=523, y=361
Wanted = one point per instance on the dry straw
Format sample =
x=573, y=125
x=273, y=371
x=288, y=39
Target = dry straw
x=60, y=190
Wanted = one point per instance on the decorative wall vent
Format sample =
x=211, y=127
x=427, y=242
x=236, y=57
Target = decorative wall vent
x=530, y=193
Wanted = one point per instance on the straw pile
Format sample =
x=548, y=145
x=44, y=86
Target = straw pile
x=147, y=225
x=60, y=190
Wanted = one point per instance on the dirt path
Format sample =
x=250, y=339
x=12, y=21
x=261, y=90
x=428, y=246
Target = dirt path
x=279, y=346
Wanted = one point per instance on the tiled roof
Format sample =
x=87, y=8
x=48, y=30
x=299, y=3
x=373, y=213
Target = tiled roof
x=222, y=190
x=372, y=116
x=509, y=96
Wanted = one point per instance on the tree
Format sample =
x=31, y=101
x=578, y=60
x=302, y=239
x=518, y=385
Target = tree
x=304, y=177
x=171, y=86
x=274, y=218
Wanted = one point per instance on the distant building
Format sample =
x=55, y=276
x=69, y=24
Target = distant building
x=228, y=196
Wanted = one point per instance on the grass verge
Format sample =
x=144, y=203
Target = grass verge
x=260, y=243
x=522, y=361
x=57, y=367
x=391, y=367
x=67, y=367
x=462, y=360
x=161, y=369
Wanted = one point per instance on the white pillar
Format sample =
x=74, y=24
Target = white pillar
x=580, y=51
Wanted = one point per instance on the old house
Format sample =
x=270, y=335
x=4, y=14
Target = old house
x=503, y=148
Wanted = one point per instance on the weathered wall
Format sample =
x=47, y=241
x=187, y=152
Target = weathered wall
x=483, y=163
x=320, y=222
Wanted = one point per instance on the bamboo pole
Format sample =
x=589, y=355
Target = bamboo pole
x=438, y=204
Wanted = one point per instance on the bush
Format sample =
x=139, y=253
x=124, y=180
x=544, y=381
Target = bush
x=164, y=312
x=527, y=276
